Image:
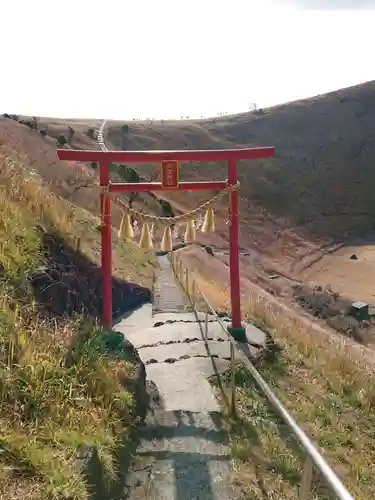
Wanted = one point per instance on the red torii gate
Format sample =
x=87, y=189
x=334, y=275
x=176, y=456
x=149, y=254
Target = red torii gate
x=169, y=181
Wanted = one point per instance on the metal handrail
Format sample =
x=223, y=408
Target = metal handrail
x=313, y=457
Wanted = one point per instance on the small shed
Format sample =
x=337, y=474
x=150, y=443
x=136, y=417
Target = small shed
x=360, y=310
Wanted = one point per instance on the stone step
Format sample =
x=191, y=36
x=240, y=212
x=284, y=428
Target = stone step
x=189, y=317
x=183, y=385
x=174, y=352
x=184, y=456
x=175, y=332
x=168, y=295
x=133, y=320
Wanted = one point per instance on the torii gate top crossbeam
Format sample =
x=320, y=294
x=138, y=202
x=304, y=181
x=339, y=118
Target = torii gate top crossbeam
x=156, y=156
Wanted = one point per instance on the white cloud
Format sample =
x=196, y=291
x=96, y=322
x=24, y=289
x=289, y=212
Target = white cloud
x=329, y=4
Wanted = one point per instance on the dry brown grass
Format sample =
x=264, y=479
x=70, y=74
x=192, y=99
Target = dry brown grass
x=327, y=386
x=323, y=145
x=50, y=405
x=285, y=212
x=320, y=149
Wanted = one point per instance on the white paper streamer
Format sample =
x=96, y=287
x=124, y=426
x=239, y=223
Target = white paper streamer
x=199, y=223
x=136, y=229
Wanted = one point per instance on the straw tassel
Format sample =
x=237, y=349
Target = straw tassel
x=145, y=240
x=126, y=231
x=166, y=242
x=208, y=225
x=190, y=233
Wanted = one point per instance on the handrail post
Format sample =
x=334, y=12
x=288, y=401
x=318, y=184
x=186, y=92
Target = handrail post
x=193, y=293
x=232, y=382
x=306, y=481
x=206, y=323
x=180, y=274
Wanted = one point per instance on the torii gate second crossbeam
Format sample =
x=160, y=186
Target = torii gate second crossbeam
x=105, y=158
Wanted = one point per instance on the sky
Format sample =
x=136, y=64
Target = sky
x=125, y=59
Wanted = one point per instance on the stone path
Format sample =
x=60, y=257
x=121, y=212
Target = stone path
x=168, y=295
x=184, y=451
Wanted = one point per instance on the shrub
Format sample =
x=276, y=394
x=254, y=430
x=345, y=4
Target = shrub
x=167, y=208
x=127, y=173
x=61, y=140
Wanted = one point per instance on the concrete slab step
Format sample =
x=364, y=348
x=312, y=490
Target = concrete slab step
x=184, y=456
x=133, y=320
x=189, y=317
x=255, y=335
x=174, y=332
x=183, y=385
x=170, y=352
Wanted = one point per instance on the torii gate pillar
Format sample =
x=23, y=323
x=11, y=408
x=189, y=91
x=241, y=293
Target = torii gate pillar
x=236, y=329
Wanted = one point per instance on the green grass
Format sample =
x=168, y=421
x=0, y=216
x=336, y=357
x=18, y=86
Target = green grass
x=60, y=384
x=327, y=386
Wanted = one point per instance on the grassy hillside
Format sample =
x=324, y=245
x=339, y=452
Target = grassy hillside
x=54, y=397
x=321, y=177
x=64, y=382
x=325, y=382
x=317, y=189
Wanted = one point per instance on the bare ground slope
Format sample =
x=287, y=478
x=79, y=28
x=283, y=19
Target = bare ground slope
x=316, y=193
x=319, y=185
x=321, y=177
